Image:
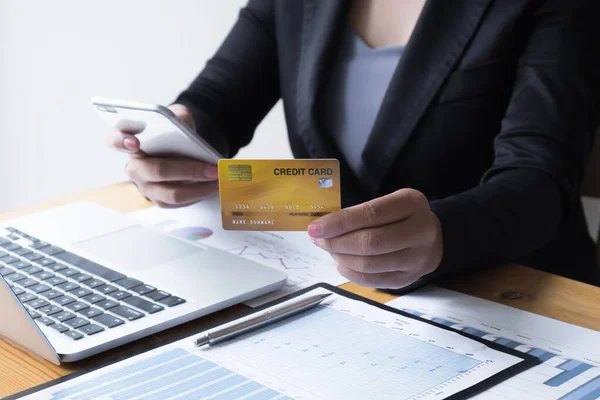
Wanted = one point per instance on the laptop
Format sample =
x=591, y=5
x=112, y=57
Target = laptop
x=80, y=279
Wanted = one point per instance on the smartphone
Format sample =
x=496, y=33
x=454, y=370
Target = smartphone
x=162, y=133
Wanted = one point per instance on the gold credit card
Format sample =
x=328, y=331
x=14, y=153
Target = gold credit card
x=277, y=195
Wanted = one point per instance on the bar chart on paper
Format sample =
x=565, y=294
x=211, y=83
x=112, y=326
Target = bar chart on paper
x=570, y=355
x=291, y=252
x=343, y=350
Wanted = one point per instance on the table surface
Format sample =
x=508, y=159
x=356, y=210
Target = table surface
x=540, y=293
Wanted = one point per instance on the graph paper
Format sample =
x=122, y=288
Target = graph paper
x=344, y=349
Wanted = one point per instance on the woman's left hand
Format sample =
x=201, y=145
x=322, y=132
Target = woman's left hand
x=388, y=242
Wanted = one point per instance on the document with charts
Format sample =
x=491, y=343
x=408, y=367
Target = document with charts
x=292, y=252
x=570, y=355
x=342, y=349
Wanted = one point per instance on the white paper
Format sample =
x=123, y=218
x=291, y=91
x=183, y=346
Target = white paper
x=343, y=349
x=571, y=354
x=292, y=252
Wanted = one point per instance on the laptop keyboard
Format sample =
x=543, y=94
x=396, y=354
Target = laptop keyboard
x=71, y=294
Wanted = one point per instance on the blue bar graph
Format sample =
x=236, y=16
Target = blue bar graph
x=475, y=332
x=542, y=355
x=508, y=343
x=413, y=312
x=588, y=391
x=175, y=373
x=443, y=322
x=571, y=369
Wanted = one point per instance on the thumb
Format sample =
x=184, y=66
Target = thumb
x=183, y=114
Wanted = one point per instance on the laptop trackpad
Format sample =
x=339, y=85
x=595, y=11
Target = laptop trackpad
x=137, y=248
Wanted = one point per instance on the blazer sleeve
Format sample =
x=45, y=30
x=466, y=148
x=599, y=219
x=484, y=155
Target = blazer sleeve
x=240, y=84
x=545, y=140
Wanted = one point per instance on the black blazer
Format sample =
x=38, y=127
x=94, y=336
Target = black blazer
x=490, y=113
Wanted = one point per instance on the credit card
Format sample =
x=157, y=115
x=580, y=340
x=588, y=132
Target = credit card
x=277, y=195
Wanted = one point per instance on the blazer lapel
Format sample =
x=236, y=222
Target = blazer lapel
x=441, y=35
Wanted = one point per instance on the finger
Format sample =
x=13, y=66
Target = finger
x=183, y=114
x=403, y=260
x=381, y=240
x=179, y=194
x=154, y=169
x=123, y=142
x=387, y=280
x=380, y=211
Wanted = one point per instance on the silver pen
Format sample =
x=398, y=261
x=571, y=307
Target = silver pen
x=266, y=318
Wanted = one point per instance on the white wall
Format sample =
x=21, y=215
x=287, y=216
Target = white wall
x=56, y=55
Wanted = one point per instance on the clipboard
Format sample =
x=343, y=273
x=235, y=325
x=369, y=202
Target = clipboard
x=527, y=361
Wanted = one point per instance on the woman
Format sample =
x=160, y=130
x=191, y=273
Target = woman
x=460, y=148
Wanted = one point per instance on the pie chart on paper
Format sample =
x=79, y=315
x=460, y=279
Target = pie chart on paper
x=193, y=233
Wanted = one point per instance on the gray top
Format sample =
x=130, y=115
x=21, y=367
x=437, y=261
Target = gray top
x=356, y=88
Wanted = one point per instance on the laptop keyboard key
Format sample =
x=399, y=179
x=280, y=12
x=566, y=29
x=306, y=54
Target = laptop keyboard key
x=27, y=282
x=46, y=321
x=32, y=270
x=94, y=298
x=81, y=292
x=158, y=295
x=57, y=267
x=59, y=327
x=33, y=256
x=81, y=278
x=108, y=320
x=6, y=271
x=52, y=294
x=172, y=301
x=91, y=329
x=39, y=303
x=64, y=316
x=90, y=266
x=21, y=265
x=39, y=288
x=45, y=275
x=40, y=245
x=68, y=286
x=57, y=280
x=143, y=289
x=106, y=289
x=128, y=313
x=68, y=272
x=17, y=291
x=94, y=283
x=25, y=297
x=107, y=304
x=33, y=314
x=78, y=306
x=64, y=300
x=50, y=310
x=91, y=312
x=73, y=334
x=3, y=241
x=45, y=262
x=12, y=246
x=15, y=277
x=22, y=251
x=120, y=295
x=128, y=283
x=144, y=305
x=9, y=260
x=77, y=322
x=50, y=250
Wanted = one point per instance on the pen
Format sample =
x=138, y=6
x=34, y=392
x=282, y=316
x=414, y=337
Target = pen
x=266, y=318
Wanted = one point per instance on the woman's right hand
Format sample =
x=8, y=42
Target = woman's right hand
x=167, y=182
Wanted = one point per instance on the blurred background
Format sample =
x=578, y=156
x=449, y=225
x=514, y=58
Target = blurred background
x=56, y=55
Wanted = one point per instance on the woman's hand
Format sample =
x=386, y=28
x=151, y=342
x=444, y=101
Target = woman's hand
x=388, y=242
x=167, y=182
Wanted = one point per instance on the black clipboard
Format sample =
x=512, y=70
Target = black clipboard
x=527, y=362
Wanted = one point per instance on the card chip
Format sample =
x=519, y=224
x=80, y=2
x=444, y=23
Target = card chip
x=239, y=172
x=325, y=183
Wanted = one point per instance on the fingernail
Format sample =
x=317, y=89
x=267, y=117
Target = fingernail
x=130, y=143
x=315, y=229
x=211, y=172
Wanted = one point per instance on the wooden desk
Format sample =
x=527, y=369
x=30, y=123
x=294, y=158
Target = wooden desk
x=538, y=292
